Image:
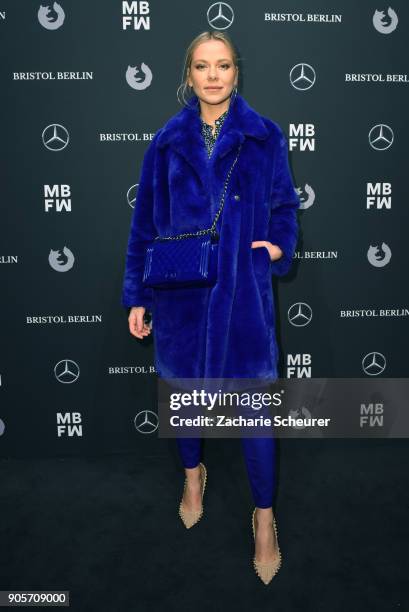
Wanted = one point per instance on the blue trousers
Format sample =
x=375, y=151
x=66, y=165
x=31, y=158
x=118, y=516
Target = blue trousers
x=259, y=455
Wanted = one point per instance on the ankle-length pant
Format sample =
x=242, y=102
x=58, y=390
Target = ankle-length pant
x=259, y=454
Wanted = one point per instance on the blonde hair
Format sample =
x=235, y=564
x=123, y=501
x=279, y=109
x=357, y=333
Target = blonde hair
x=184, y=88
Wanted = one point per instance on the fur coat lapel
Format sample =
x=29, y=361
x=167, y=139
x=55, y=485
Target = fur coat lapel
x=183, y=133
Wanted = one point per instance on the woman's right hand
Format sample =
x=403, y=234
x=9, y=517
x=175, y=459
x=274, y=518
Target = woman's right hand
x=137, y=325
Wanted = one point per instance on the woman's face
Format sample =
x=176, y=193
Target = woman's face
x=212, y=72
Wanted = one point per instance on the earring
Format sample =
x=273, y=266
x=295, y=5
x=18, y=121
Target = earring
x=193, y=96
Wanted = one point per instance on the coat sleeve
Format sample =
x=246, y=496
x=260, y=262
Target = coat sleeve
x=284, y=202
x=142, y=232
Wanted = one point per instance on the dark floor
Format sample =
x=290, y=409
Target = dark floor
x=107, y=530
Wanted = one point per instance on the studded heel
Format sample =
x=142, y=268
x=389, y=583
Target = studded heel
x=191, y=517
x=266, y=571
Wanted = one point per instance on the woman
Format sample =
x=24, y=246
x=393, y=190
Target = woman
x=228, y=330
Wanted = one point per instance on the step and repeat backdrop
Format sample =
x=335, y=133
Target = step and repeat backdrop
x=85, y=86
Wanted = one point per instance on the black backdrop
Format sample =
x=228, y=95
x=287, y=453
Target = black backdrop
x=48, y=315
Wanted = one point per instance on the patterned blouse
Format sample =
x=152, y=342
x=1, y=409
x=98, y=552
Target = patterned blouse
x=209, y=139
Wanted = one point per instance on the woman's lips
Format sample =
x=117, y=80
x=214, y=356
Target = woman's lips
x=212, y=88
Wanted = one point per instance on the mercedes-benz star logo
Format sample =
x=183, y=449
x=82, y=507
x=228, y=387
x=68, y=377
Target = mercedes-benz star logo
x=220, y=15
x=380, y=137
x=131, y=195
x=146, y=421
x=66, y=371
x=373, y=363
x=299, y=314
x=55, y=137
x=302, y=76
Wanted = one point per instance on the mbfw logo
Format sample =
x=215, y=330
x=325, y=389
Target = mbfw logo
x=61, y=260
x=139, y=79
x=57, y=197
x=135, y=15
x=371, y=415
x=380, y=137
x=302, y=137
x=379, y=196
x=299, y=365
x=306, y=195
x=385, y=22
x=69, y=424
x=220, y=15
x=55, y=137
x=302, y=76
x=50, y=16
x=379, y=256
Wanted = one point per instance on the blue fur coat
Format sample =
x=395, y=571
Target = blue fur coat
x=227, y=330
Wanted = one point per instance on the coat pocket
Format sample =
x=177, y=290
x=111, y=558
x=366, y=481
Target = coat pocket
x=261, y=261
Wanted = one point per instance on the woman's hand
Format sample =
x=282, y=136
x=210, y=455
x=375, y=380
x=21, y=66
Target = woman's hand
x=273, y=249
x=137, y=325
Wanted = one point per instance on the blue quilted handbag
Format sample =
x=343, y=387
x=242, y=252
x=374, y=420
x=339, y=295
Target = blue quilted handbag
x=188, y=259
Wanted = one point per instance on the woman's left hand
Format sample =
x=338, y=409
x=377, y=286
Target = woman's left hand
x=274, y=250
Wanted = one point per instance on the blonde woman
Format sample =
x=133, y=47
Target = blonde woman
x=227, y=330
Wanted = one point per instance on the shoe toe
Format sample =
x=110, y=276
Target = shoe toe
x=267, y=571
x=189, y=518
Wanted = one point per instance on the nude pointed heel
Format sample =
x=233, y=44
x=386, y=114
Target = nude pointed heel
x=266, y=571
x=191, y=517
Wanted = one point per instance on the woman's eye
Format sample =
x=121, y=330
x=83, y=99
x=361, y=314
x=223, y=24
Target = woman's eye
x=224, y=66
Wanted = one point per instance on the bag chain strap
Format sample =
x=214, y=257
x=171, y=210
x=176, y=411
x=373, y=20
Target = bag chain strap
x=212, y=229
